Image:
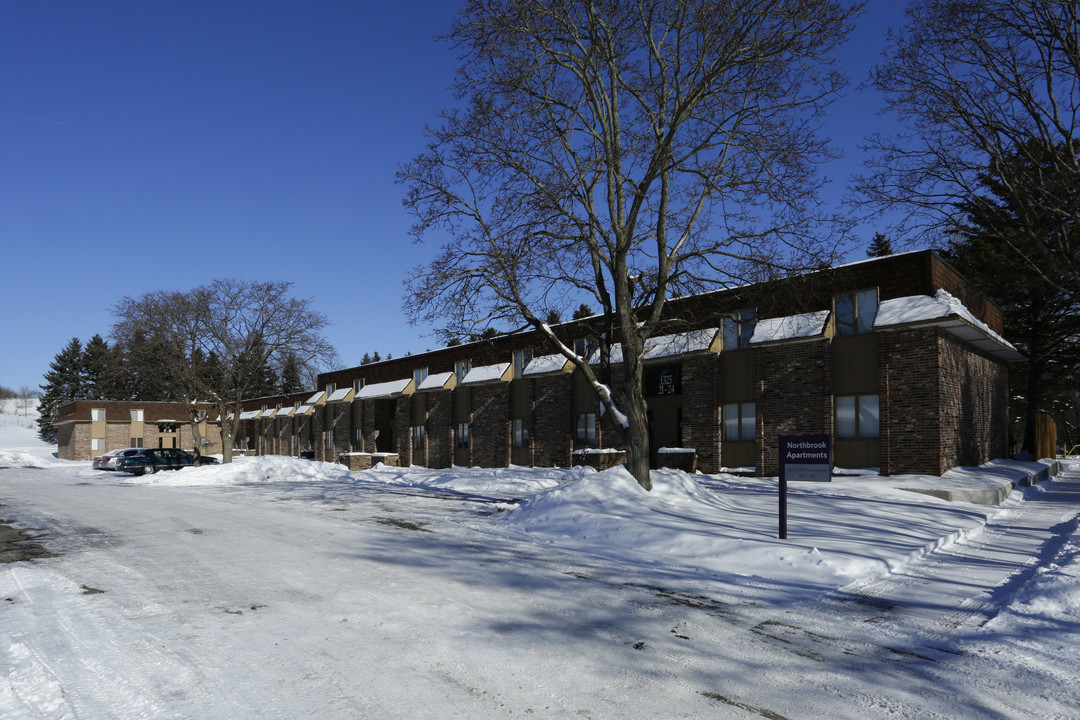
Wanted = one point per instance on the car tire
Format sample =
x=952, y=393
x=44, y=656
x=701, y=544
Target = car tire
x=149, y=469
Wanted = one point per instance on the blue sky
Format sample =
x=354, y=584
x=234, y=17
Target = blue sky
x=159, y=145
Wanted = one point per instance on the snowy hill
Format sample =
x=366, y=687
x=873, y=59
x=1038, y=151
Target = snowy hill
x=19, y=431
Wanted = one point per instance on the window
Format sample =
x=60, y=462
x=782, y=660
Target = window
x=330, y=389
x=738, y=329
x=855, y=312
x=97, y=444
x=584, y=347
x=857, y=416
x=462, y=368
x=521, y=433
x=419, y=375
x=585, y=431
x=521, y=360
x=357, y=438
x=97, y=414
x=136, y=416
x=329, y=435
x=358, y=384
x=740, y=422
x=417, y=436
x=135, y=442
x=461, y=437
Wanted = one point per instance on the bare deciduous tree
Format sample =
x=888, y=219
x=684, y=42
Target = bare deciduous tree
x=621, y=152
x=245, y=327
x=977, y=85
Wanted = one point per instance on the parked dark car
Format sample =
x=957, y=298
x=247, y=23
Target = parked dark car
x=150, y=460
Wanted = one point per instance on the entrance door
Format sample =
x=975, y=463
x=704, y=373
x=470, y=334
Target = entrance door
x=664, y=429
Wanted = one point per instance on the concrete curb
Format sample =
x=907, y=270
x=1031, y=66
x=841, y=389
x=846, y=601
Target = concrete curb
x=995, y=495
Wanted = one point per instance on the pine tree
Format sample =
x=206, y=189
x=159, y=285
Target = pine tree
x=96, y=367
x=583, y=311
x=290, y=376
x=998, y=252
x=880, y=246
x=64, y=382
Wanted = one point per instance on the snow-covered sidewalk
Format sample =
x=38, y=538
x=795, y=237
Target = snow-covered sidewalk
x=969, y=580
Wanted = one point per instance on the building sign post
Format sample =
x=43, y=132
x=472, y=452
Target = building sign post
x=803, y=458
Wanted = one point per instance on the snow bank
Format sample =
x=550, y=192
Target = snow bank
x=729, y=525
x=505, y=483
x=19, y=459
x=244, y=470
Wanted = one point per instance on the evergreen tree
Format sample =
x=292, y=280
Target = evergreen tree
x=997, y=252
x=880, y=246
x=64, y=382
x=290, y=376
x=553, y=317
x=582, y=312
x=149, y=369
x=97, y=361
x=366, y=360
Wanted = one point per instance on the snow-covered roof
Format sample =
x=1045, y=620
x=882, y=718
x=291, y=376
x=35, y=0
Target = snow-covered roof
x=547, y=365
x=341, y=395
x=488, y=374
x=438, y=381
x=316, y=399
x=664, y=346
x=946, y=311
x=393, y=388
x=285, y=411
x=791, y=327
x=303, y=410
x=250, y=414
x=267, y=414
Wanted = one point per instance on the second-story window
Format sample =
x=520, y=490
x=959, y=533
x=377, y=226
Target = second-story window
x=521, y=360
x=462, y=368
x=738, y=329
x=855, y=312
x=419, y=375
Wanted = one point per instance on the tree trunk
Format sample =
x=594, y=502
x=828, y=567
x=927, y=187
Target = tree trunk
x=230, y=420
x=637, y=417
x=1034, y=400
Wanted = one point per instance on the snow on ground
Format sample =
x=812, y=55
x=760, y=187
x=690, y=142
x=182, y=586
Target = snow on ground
x=279, y=587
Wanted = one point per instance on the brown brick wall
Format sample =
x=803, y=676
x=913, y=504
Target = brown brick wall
x=438, y=429
x=909, y=381
x=489, y=428
x=701, y=393
x=974, y=412
x=794, y=396
x=552, y=432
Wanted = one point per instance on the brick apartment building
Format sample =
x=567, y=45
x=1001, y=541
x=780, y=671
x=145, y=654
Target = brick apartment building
x=898, y=359
x=88, y=428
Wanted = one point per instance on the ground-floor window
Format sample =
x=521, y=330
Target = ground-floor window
x=135, y=442
x=97, y=444
x=521, y=433
x=418, y=436
x=329, y=439
x=740, y=421
x=585, y=432
x=461, y=437
x=857, y=416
